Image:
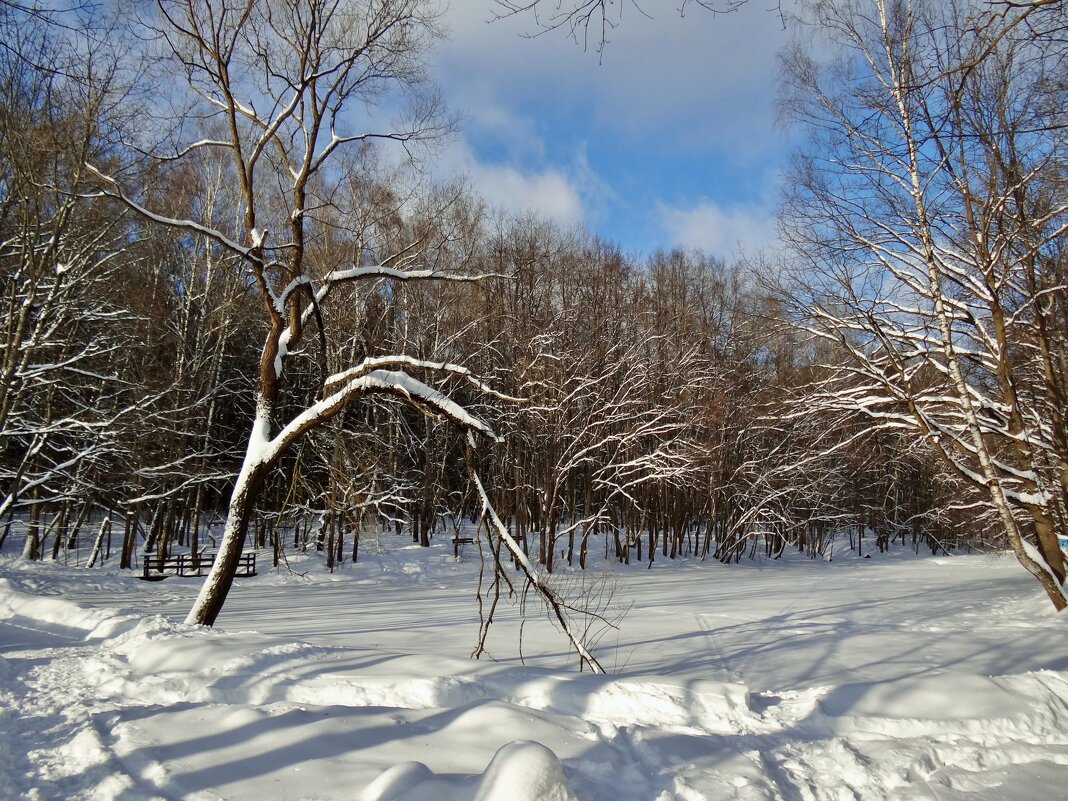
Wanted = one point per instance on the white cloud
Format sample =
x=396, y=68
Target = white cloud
x=670, y=93
x=547, y=191
x=722, y=231
x=702, y=81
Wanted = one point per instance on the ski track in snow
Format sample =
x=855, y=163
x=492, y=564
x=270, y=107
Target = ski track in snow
x=107, y=704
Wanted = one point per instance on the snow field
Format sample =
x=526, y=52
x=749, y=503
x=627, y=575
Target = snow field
x=894, y=679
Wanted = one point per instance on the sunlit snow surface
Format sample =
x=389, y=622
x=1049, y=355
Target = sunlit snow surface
x=891, y=678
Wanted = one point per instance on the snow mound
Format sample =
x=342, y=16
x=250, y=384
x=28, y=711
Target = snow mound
x=524, y=771
x=396, y=782
x=950, y=696
x=951, y=703
x=640, y=701
x=63, y=620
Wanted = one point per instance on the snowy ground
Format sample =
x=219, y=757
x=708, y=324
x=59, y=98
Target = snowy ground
x=890, y=678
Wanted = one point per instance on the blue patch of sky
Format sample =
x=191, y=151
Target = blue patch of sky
x=678, y=120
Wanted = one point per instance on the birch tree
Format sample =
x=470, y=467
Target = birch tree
x=927, y=217
x=61, y=268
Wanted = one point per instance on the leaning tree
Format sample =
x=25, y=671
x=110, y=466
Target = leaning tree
x=278, y=90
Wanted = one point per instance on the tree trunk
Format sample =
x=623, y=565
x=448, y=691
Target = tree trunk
x=217, y=585
x=105, y=529
x=60, y=526
x=129, y=534
x=31, y=548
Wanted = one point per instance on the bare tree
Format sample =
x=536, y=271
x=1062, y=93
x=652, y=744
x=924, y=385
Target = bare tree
x=577, y=16
x=604, y=436
x=278, y=78
x=280, y=81
x=928, y=235
x=62, y=262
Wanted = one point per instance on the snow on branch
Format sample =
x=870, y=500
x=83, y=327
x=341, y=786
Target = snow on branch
x=385, y=271
x=115, y=191
x=196, y=146
x=392, y=382
x=380, y=362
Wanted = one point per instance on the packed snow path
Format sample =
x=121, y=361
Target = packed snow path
x=877, y=679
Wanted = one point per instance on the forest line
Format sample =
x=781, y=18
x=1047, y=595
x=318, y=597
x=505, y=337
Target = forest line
x=265, y=317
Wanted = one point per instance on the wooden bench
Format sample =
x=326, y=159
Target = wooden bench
x=157, y=569
x=457, y=542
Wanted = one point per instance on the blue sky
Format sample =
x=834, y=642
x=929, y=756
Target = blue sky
x=669, y=140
